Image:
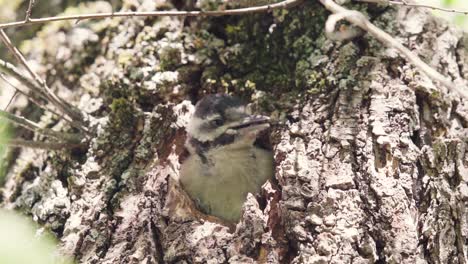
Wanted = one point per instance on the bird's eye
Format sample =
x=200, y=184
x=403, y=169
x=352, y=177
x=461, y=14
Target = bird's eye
x=217, y=122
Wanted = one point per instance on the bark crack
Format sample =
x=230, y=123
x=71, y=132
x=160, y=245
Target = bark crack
x=157, y=237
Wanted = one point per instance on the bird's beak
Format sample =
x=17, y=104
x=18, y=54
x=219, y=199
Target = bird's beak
x=252, y=125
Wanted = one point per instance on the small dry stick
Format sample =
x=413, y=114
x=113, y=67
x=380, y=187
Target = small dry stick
x=8, y=68
x=11, y=100
x=240, y=11
x=358, y=19
x=29, y=11
x=54, y=99
x=428, y=6
x=43, y=106
x=39, y=144
x=405, y=3
x=11, y=70
x=30, y=125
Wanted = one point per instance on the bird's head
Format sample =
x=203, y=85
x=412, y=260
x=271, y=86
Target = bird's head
x=221, y=120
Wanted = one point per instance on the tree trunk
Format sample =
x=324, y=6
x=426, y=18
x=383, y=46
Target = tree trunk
x=371, y=164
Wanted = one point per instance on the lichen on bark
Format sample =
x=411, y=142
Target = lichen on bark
x=370, y=163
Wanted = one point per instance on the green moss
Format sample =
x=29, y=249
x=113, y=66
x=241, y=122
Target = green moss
x=266, y=52
x=435, y=95
x=233, y=30
x=123, y=115
x=119, y=162
x=116, y=139
x=263, y=50
x=125, y=57
x=170, y=58
x=110, y=186
x=113, y=88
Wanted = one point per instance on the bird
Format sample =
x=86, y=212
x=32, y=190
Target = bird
x=224, y=163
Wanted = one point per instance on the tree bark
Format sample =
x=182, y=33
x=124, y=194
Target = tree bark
x=371, y=164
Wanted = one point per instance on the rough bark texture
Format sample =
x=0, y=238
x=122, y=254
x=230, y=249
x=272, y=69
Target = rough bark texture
x=371, y=166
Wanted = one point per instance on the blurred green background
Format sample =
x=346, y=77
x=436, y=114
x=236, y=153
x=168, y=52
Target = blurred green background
x=23, y=242
x=4, y=135
x=458, y=19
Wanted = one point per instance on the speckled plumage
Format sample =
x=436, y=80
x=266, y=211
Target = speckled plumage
x=224, y=164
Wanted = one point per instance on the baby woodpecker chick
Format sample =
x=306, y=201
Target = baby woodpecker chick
x=224, y=164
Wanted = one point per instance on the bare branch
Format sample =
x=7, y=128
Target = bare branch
x=30, y=125
x=29, y=11
x=405, y=3
x=361, y=21
x=17, y=54
x=11, y=100
x=428, y=6
x=240, y=11
x=40, y=144
x=36, y=91
x=43, y=106
x=11, y=70
x=54, y=99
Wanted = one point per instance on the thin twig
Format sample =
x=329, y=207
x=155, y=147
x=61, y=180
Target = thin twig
x=428, y=6
x=54, y=99
x=358, y=19
x=11, y=70
x=240, y=11
x=17, y=54
x=30, y=125
x=40, y=144
x=405, y=3
x=11, y=100
x=43, y=106
x=29, y=11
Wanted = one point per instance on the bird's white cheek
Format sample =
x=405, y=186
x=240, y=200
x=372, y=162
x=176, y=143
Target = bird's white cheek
x=231, y=132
